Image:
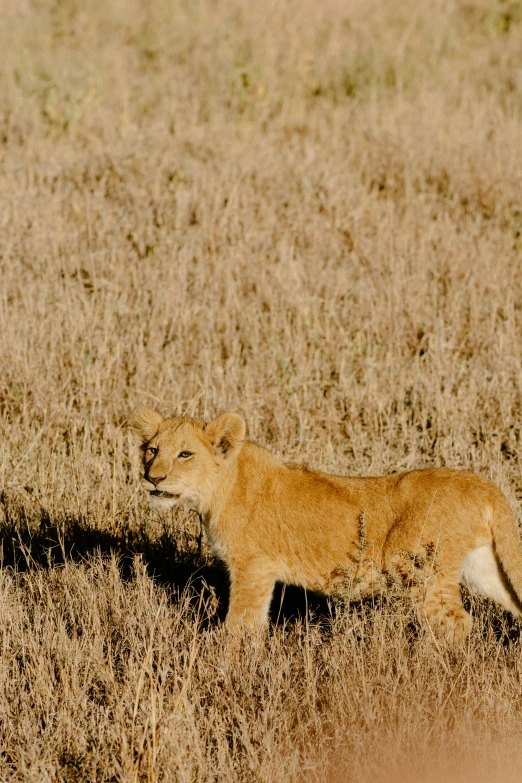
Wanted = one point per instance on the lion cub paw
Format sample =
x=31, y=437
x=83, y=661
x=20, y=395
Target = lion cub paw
x=452, y=623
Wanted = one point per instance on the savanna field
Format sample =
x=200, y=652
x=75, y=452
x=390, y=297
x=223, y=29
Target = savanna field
x=310, y=214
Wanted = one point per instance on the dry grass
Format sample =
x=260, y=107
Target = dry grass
x=307, y=212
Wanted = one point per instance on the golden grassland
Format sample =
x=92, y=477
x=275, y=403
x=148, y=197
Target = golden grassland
x=309, y=213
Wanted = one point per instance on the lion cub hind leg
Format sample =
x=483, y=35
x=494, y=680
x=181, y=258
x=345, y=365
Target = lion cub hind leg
x=443, y=609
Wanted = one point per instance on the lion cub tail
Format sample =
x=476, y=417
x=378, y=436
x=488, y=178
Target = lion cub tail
x=506, y=543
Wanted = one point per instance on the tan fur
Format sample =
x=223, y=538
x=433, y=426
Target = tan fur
x=425, y=530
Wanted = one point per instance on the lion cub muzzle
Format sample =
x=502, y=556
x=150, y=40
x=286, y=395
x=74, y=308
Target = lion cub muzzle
x=159, y=493
x=153, y=479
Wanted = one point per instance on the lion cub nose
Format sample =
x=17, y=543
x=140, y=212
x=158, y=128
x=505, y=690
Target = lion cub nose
x=155, y=479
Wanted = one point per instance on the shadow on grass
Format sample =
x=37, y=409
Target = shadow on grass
x=26, y=543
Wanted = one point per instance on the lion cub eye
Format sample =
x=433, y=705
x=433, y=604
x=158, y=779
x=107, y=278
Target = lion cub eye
x=151, y=451
x=185, y=454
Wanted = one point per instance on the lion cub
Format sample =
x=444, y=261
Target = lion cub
x=427, y=530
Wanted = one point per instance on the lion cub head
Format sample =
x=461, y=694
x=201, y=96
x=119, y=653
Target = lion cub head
x=183, y=458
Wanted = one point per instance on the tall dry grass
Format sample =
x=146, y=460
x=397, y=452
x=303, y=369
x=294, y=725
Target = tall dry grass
x=307, y=212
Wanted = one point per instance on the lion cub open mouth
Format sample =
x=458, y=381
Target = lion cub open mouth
x=159, y=494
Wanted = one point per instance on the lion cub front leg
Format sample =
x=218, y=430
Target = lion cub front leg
x=251, y=591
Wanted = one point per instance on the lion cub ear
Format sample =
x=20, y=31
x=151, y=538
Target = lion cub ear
x=144, y=423
x=226, y=433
